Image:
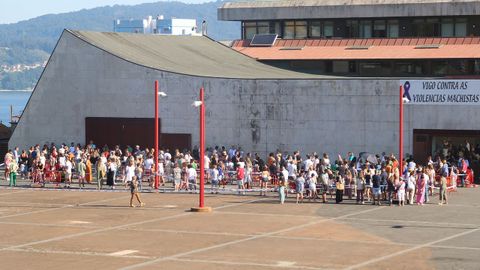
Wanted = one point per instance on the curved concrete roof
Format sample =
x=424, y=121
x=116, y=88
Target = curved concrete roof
x=189, y=55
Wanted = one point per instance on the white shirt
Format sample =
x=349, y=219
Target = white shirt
x=68, y=166
x=207, y=162
x=192, y=174
x=307, y=163
x=214, y=174
x=148, y=163
x=61, y=161
x=285, y=174
x=129, y=173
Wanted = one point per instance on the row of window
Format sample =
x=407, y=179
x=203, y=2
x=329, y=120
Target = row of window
x=376, y=68
x=361, y=28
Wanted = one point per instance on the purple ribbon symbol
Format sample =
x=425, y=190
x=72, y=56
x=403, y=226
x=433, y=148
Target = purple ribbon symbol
x=406, y=89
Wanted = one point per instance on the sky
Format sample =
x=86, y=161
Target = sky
x=12, y=11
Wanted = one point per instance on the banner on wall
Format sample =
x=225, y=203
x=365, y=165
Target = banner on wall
x=442, y=92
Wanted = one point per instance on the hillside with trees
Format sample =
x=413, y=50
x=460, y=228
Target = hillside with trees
x=26, y=45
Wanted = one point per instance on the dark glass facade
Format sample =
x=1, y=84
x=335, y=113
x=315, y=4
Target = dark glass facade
x=384, y=68
x=366, y=28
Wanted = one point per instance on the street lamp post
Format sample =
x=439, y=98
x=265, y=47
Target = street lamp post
x=157, y=95
x=156, y=136
x=201, y=104
x=400, y=142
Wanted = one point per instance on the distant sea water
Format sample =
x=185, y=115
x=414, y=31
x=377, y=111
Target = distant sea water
x=17, y=98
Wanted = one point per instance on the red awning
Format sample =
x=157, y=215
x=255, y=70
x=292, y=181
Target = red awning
x=358, y=49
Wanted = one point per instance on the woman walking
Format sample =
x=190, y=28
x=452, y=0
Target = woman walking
x=411, y=187
x=264, y=181
x=134, y=192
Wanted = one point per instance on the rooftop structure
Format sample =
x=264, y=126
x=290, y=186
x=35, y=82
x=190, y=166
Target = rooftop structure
x=363, y=37
x=159, y=25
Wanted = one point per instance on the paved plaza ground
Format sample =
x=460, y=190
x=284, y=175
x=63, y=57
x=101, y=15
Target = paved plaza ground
x=72, y=229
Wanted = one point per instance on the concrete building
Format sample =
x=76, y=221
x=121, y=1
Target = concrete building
x=99, y=86
x=159, y=25
x=408, y=38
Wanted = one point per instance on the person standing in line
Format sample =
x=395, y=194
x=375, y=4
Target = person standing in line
x=401, y=192
x=111, y=172
x=177, y=177
x=192, y=178
x=282, y=186
x=390, y=187
x=68, y=172
x=81, y=168
x=411, y=187
x=312, y=184
x=420, y=186
x=13, y=167
x=340, y=187
x=377, y=193
x=360, y=187
x=214, y=179
x=240, y=178
x=300, y=187
x=264, y=181
x=88, y=171
x=443, y=190
x=248, y=175
x=325, y=183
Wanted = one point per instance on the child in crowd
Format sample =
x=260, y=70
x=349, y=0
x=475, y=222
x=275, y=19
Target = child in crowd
x=134, y=191
x=177, y=177
x=300, y=187
x=282, y=188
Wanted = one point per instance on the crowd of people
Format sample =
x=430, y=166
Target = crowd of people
x=377, y=179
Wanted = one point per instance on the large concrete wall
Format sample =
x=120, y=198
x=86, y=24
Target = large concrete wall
x=332, y=116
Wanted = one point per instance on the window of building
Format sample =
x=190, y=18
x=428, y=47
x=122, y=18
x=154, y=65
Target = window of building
x=457, y=67
x=439, y=68
x=352, y=29
x=328, y=29
x=314, y=28
x=379, y=28
x=300, y=29
x=447, y=27
x=263, y=28
x=295, y=29
x=429, y=27
x=249, y=29
x=408, y=68
x=392, y=28
x=276, y=28
x=476, y=67
x=460, y=27
x=365, y=29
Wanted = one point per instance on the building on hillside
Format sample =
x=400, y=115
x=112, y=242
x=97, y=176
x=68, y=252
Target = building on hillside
x=391, y=38
x=159, y=25
x=108, y=80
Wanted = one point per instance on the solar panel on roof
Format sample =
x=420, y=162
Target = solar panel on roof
x=263, y=40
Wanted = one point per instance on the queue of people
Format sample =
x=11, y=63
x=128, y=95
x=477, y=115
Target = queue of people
x=375, y=179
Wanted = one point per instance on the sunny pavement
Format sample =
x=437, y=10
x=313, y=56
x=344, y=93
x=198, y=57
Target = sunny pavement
x=62, y=229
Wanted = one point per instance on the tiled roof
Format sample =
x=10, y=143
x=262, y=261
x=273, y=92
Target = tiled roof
x=374, y=48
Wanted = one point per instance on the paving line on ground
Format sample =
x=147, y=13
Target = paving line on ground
x=178, y=255
x=82, y=253
x=63, y=207
x=50, y=225
x=58, y=238
x=15, y=192
x=266, y=214
x=248, y=264
x=398, y=253
x=472, y=226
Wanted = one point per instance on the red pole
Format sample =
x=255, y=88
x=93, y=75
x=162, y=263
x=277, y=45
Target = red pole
x=202, y=149
x=156, y=136
x=400, y=142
